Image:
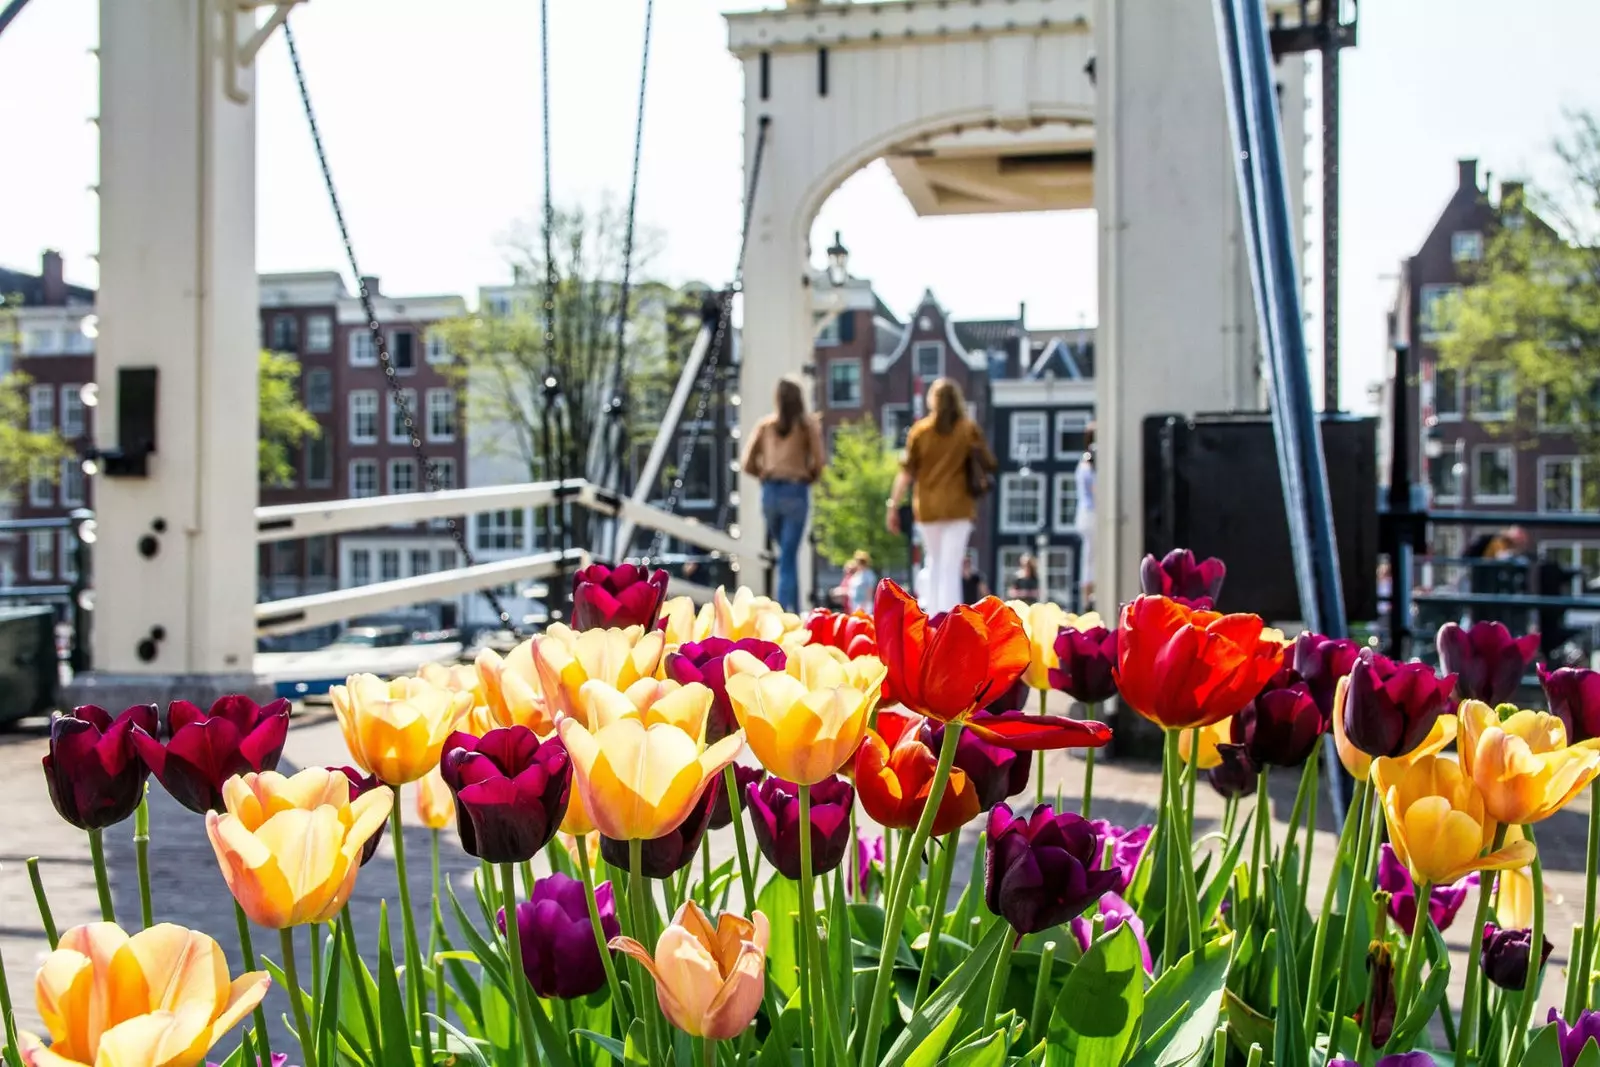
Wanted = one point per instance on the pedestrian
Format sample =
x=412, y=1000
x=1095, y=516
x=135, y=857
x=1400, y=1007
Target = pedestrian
x=973, y=586
x=1083, y=518
x=785, y=452
x=861, y=581
x=1025, y=582
x=951, y=465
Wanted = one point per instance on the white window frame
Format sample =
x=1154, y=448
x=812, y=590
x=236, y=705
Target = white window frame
x=1450, y=498
x=917, y=348
x=363, y=353
x=1574, y=483
x=1066, y=485
x=396, y=465
x=319, y=333
x=1466, y=246
x=41, y=494
x=442, y=402
x=1508, y=497
x=363, y=557
x=1059, y=560
x=1460, y=394
x=1077, y=421
x=294, y=328
x=1499, y=414
x=66, y=555
x=440, y=467
x=434, y=350
x=72, y=405
x=394, y=333
x=502, y=525
x=358, y=402
x=355, y=480
x=860, y=385
x=327, y=480
x=1038, y=422
x=41, y=554
x=1427, y=295
x=71, y=475
x=41, y=408
x=395, y=427
x=387, y=573
x=319, y=374
x=423, y=556
x=1551, y=548
x=448, y=559
x=1012, y=485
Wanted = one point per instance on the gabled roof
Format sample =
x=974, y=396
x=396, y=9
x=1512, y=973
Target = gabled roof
x=974, y=359
x=31, y=288
x=990, y=335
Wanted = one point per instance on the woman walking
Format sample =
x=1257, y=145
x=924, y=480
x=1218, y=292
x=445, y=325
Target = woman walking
x=951, y=464
x=785, y=452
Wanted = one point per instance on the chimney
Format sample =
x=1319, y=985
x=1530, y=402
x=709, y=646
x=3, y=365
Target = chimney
x=1022, y=312
x=1467, y=172
x=1511, y=195
x=369, y=282
x=52, y=285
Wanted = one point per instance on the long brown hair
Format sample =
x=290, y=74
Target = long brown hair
x=791, y=404
x=948, y=405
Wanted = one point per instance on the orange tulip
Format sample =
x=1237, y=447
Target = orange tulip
x=708, y=979
x=435, y=806
x=1358, y=763
x=1181, y=667
x=1437, y=820
x=567, y=658
x=894, y=775
x=512, y=692
x=950, y=666
x=1523, y=765
x=396, y=729
x=805, y=721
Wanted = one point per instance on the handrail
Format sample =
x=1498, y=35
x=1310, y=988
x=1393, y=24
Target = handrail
x=285, y=522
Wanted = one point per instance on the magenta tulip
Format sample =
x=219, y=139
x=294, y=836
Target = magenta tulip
x=1236, y=776
x=1281, y=726
x=1127, y=847
x=511, y=791
x=1181, y=576
x=1573, y=693
x=721, y=813
x=205, y=748
x=1443, y=902
x=1320, y=662
x=1088, y=660
x=774, y=808
x=559, y=954
x=1390, y=708
x=624, y=596
x=1044, y=869
x=1506, y=953
x=1574, y=1038
x=1488, y=662
x=702, y=661
x=1116, y=912
x=92, y=769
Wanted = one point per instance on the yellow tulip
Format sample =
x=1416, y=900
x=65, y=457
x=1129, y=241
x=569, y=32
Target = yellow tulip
x=1513, y=901
x=1042, y=622
x=708, y=979
x=464, y=678
x=160, y=998
x=747, y=615
x=638, y=781
x=290, y=847
x=566, y=658
x=1437, y=821
x=1219, y=733
x=576, y=821
x=1359, y=764
x=512, y=690
x=436, y=808
x=650, y=701
x=806, y=721
x=683, y=622
x=1523, y=766
x=396, y=729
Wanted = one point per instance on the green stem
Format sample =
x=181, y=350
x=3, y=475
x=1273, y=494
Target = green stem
x=13, y=1054
x=930, y=956
x=1254, y=1058
x=314, y=934
x=1261, y=851
x=1089, y=712
x=1002, y=978
x=358, y=977
x=1530, y=992
x=747, y=874
x=247, y=950
x=641, y=927
x=705, y=872
x=808, y=1028
x=1578, y=990
x=1497, y=1025
x=1357, y=818
x=1191, y=778
x=1181, y=856
x=416, y=992
x=1167, y=833
x=1411, y=968
x=808, y=901
x=709, y=1057
x=141, y=853
x=1466, y=1050
x=45, y=916
x=434, y=924
x=297, y=1000
x=1038, y=769
x=1297, y=811
x=518, y=979
x=895, y=917
x=102, y=882
x=1230, y=816
x=618, y=1005
x=890, y=866
x=1041, y=990
x=1311, y=832
x=1219, y=1047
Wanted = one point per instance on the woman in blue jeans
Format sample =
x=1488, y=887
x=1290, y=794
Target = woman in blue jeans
x=785, y=452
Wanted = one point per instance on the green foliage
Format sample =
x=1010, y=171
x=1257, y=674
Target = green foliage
x=285, y=423
x=848, y=503
x=24, y=453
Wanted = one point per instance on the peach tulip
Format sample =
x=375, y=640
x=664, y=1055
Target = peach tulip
x=708, y=979
x=589, y=842
x=747, y=615
x=566, y=658
x=1437, y=820
x=435, y=806
x=1523, y=765
x=1359, y=764
x=681, y=623
x=650, y=701
x=806, y=721
x=290, y=847
x=160, y=998
x=1513, y=897
x=1210, y=737
x=512, y=692
x=396, y=729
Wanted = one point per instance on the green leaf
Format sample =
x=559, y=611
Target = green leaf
x=984, y=1052
x=392, y=1022
x=1544, y=1050
x=1246, y=1026
x=328, y=1017
x=488, y=955
x=1211, y=896
x=867, y=922
x=1434, y=989
x=1098, y=1010
x=949, y=997
x=841, y=949
x=610, y=1044
x=930, y=1048
x=461, y=1043
x=775, y=1052
x=633, y=1049
x=1192, y=987
x=779, y=901
x=1290, y=1048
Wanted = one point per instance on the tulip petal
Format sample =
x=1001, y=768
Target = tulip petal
x=188, y=965
x=251, y=871
x=1033, y=733
x=689, y=979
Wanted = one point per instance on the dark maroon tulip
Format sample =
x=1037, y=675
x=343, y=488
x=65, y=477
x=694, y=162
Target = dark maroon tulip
x=1505, y=955
x=364, y=783
x=1320, y=662
x=1044, y=869
x=1016, y=698
x=774, y=808
x=616, y=596
x=996, y=773
x=1575, y=1038
x=1281, y=726
x=1390, y=708
x=721, y=813
x=1087, y=660
x=1127, y=846
x=1381, y=999
x=701, y=661
x=511, y=791
x=1236, y=775
x=1181, y=576
x=1573, y=693
x=1488, y=662
x=559, y=955
x=205, y=748
x=92, y=769
x=1443, y=902
x=665, y=856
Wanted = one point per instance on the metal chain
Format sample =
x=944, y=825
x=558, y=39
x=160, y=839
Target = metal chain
x=379, y=343
x=552, y=384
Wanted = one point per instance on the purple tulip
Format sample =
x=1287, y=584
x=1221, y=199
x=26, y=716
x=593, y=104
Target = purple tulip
x=721, y=813
x=92, y=769
x=867, y=851
x=1015, y=698
x=622, y=596
x=1116, y=911
x=1390, y=708
x=1488, y=662
x=701, y=661
x=665, y=856
x=1576, y=1037
x=1443, y=902
x=205, y=748
x=1236, y=775
x=996, y=773
x=559, y=954
x=1320, y=662
x=511, y=791
x=1399, y=1059
x=1381, y=999
x=1282, y=725
x=1044, y=869
x=1181, y=576
x=1087, y=661
x=774, y=807
x=1505, y=955
x=1573, y=693
x=364, y=783
x=1127, y=846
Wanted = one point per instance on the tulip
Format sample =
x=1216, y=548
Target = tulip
x=1126, y=847
x=743, y=778
x=1443, y=902
x=1359, y=764
x=160, y=997
x=1235, y=774
x=92, y=770
x=1086, y=661
x=512, y=690
x=996, y=772
x=1182, y=667
x=1574, y=1039
x=774, y=807
x=511, y=791
x=290, y=847
x=1573, y=693
x=566, y=658
x=665, y=856
x=1382, y=997
x=1399, y=1059
x=205, y=748
x=650, y=701
x=359, y=784
x=680, y=623
x=1513, y=892
x=1218, y=733
x=868, y=852
x=709, y=980
x=1044, y=869
x=279, y=1059
x=1505, y=956
x=589, y=843
x=1043, y=622
x=853, y=634
x=1280, y=727
x=1181, y=576
x=1321, y=662
x=894, y=773
x=481, y=717
x=748, y=615
x=559, y=954
x=628, y=595
x=1523, y=765
x=807, y=721
x=1115, y=911
x=1437, y=821
x=1388, y=708
x=435, y=806
x=702, y=661
x=1487, y=661
x=396, y=729
x=1016, y=698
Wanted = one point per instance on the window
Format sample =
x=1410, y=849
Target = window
x=444, y=474
x=319, y=333
x=403, y=351
x=285, y=334
x=1494, y=474
x=41, y=408
x=498, y=530
x=388, y=564
x=402, y=476
x=1580, y=557
x=694, y=482
x=499, y=306
x=437, y=352
x=363, y=477
x=827, y=331
x=1021, y=503
x=844, y=383
x=319, y=462
x=362, y=352
x=927, y=360
x=71, y=411
x=399, y=411
x=71, y=482
x=1072, y=430
x=1466, y=246
x=421, y=561
x=447, y=559
x=1447, y=394
x=1568, y=484
x=319, y=390
x=1494, y=394
x=360, y=566
x=1059, y=571
x=1445, y=473
x=40, y=494
x=41, y=553
x=317, y=557
x=69, y=555
x=441, y=414
x=41, y=342
x=1066, y=512
x=363, y=416
x=1028, y=429
x=1434, y=308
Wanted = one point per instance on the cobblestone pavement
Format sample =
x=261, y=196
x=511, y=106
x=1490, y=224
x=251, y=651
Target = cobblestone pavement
x=188, y=888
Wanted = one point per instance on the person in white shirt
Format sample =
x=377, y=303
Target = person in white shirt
x=1083, y=520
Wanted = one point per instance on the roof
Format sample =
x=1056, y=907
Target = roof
x=987, y=335
x=31, y=288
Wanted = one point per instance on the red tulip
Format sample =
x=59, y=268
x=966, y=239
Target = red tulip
x=894, y=772
x=206, y=748
x=1182, y=667
x=853, y=634
x=605, y=597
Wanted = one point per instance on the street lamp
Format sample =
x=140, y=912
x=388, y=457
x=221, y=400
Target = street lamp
x=838, y=261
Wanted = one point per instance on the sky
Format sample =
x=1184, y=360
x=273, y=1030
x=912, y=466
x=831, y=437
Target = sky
x=431, y=113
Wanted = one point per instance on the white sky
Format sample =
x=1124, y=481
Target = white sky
x=431, y=113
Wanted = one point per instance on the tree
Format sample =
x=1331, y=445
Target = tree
x=284, y=421
x=848, y=504
x=25, y=454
